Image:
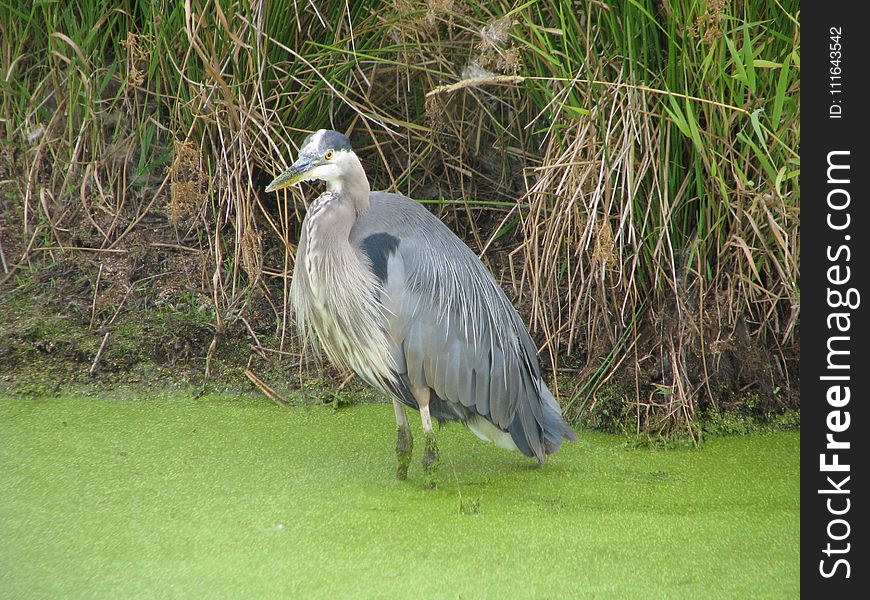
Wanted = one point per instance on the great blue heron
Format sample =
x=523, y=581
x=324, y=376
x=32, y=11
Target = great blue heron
x=386, y=289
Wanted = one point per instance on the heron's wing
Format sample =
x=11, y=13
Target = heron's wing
x=452, y=327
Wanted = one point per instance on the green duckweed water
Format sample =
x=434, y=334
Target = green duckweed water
x=238, y=498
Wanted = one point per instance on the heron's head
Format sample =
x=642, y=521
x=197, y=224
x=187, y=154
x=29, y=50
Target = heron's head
x=324, y=155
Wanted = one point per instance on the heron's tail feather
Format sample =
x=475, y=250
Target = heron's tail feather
x=554, y=426
x=539, y=433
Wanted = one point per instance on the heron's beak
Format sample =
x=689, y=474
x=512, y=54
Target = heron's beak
x=294, y=174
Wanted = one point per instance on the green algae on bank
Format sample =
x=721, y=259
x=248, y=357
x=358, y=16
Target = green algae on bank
x=236, y=497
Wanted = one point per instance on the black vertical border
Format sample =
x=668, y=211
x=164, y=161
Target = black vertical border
x=819, y=136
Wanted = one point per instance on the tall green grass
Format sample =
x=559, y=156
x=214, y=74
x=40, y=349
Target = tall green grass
x=628, y=170
x=681, y=199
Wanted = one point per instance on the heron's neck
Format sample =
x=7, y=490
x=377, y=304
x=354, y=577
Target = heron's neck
x=354, y=186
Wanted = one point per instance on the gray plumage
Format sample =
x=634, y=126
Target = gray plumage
x=454, y=330
x=385, y=288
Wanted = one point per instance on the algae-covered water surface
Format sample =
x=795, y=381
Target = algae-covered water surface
x=235, y=497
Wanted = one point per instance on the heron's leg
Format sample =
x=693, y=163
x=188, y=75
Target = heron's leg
x=430, y=455
x=404, y=441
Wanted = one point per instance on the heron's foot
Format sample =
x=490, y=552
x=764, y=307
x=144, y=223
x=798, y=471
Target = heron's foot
x=431, y=460
x=404, y=447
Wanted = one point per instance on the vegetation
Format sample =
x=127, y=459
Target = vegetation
x=629, y=170
x=227, y=495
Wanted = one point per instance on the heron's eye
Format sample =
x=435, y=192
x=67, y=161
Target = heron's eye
x=328, y=155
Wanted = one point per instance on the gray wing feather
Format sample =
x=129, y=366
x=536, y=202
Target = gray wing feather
x=481, y=390
x=499, y=407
